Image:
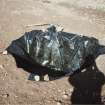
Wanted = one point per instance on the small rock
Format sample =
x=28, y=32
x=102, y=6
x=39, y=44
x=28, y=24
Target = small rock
x=5, y=95
x=83, y=70
x=5, y=52
x=65, y=96
x=1, y=67
x=71, y=90
x=37, y=78
x=59, y=103
x=46, y=77
x=16, y=96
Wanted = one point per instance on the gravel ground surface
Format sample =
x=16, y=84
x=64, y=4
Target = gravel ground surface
x=80, y=17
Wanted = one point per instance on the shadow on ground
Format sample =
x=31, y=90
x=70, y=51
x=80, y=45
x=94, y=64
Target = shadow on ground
x=88, y=84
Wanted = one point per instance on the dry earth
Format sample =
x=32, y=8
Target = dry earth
x=81, y=17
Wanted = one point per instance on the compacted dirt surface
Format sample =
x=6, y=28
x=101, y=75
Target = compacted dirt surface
x=86, y=17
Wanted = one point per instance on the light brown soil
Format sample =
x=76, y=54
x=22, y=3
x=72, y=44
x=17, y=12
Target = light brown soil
x=15, y=89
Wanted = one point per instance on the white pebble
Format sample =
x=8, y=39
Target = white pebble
x=65, y=96
x=37, y=78
x=46, y=77
x=5, y=52
x=83, y=70
x=1, y=67
x=58, y=103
